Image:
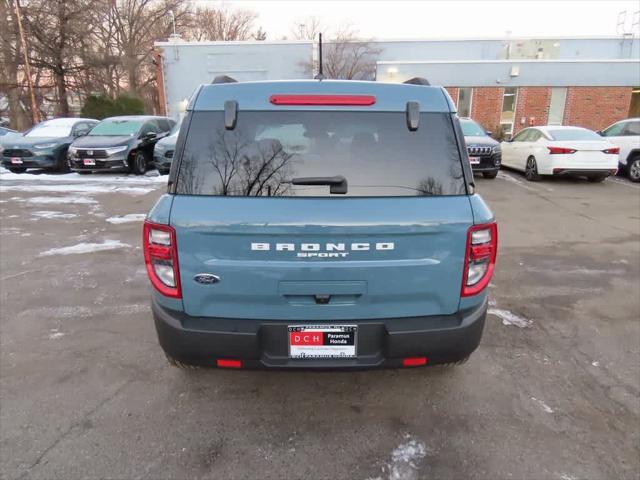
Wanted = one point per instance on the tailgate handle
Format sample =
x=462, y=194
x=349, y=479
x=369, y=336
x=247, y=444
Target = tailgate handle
x=322, y=289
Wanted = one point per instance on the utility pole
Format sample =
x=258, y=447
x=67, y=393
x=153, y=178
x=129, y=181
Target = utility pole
x=34, y=107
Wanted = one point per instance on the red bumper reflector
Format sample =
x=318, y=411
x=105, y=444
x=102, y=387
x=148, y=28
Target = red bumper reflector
x=414, y=361
x=227, y=363
x=360, y=100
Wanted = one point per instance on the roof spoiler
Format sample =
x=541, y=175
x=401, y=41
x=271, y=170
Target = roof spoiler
x=224, y=79
x=417, y=81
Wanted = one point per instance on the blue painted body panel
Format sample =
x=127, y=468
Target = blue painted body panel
x=390, y=97
x=422, y=275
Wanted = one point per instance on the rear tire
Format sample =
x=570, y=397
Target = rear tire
x=490, y=174
x=163, y=171
x=633, y=169
x=531, y=170
x=178, y=364
x=597, y=179
x=17, y=170
x=83, y=172
x=139, y=163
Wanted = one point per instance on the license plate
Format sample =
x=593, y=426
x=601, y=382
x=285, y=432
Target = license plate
x=474, y=160
x=322, y=341
x=88, y=162
x=16, y=161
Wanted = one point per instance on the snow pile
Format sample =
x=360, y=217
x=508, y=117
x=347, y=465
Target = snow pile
x=122, y=178
x=405, y=460
x=71, y=188
x=52, y=215
x=63, y=200
x=510, y=318
x=85, y=248
x=131, y=217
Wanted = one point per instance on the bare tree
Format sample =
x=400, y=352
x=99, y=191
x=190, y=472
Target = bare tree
x=222, y=23
x=11, y=85
x=306, y=28
x=345, y=56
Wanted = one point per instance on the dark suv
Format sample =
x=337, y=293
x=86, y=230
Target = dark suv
x=320, y=224
x=484, y=152
x=119, y=144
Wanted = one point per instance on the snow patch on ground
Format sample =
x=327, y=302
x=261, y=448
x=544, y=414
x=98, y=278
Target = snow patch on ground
x=70, y=188
x=6, y=175
x=130, y=217
x=406, y=458
x=52, y=214
x=544, y=406
x=63, y=200
x=595, y=363
x=510, y=318
x=55, y=334
x=86, y=248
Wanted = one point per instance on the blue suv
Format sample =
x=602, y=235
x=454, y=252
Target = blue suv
x=320, y=224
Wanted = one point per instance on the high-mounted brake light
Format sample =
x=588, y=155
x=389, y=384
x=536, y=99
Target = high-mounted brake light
x=560, y=150
x=161, y=258
x=358, y=100
x=480, y=258
x=612, y=151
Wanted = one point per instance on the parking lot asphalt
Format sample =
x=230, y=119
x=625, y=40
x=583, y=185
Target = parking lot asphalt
x=553, y=392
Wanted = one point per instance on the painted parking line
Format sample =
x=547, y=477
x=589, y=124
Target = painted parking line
x=626, y=183
x=511, y=178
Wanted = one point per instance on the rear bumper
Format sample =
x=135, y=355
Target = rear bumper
x=264, y=343
x=583, y=172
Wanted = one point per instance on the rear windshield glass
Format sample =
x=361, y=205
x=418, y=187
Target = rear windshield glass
x=471, y=129
x=574, y=134
x=116, y=128
x=277, y=153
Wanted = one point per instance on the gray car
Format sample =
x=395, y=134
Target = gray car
x=163, y=151
x=45, y=145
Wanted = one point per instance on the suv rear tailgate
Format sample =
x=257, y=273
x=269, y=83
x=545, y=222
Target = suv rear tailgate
x=351, y=258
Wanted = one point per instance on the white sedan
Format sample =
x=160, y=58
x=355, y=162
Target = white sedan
x=557, y=150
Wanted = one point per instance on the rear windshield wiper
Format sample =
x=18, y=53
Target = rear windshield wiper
x=338, y=183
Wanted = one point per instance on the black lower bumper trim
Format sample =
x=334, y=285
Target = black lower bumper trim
x=264, y=343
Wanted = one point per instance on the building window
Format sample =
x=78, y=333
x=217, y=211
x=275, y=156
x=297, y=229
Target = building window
x=556, y=107
x=464, y=101
x=509, y=98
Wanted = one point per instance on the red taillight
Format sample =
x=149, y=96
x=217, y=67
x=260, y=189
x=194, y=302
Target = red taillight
x=360, y=100
x=480, y=258
x=612, y=151
x=228, y=363
x=414, y=361
x=560, y=150
x=161, y=258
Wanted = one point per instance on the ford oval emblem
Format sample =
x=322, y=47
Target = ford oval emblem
x=206, y=278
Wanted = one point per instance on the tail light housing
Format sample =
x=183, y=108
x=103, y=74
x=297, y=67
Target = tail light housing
x=611, y=151
x=480, y=258
x=161, y=258
x=561, y=150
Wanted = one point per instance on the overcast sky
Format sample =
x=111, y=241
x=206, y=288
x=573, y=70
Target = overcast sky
x=431, y=18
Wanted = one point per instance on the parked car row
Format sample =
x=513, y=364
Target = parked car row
x=557, y=150
x=133, y=143
x=85, y=145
